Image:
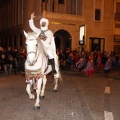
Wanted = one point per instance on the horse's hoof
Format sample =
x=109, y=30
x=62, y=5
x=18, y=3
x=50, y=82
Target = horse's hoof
x=42, y=97
x=31, y=99
x=54, y=90
x=36, y=108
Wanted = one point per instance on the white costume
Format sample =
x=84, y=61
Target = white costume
x=47, y=39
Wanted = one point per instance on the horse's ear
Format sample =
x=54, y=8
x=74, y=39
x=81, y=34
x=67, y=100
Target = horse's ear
x=26, y=35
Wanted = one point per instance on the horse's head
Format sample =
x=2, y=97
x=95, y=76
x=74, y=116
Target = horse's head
x=31, y=47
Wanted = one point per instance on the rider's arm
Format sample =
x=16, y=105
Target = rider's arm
x=32, y=26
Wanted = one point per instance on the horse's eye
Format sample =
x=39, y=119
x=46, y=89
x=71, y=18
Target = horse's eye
x=26, y=45
x=36, y=45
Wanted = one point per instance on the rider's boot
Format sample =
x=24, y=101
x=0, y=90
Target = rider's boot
x=52, y=62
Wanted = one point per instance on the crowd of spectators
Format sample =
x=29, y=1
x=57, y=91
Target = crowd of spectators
x=86, y=62
x=89, y=62
x=12, y=60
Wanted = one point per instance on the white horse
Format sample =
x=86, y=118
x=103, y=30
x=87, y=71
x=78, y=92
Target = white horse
x=36, y=68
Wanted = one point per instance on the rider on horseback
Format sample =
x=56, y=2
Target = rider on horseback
x=47, y=39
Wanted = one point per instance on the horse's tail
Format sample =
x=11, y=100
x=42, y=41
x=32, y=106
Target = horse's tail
x=60, y=77
x=58, y=69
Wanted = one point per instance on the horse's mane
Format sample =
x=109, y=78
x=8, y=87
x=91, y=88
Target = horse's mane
x=40, y=46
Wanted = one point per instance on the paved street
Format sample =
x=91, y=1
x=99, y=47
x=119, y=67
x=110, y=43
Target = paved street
x=78, y=98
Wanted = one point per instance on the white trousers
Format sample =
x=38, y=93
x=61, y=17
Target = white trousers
x=49, y=51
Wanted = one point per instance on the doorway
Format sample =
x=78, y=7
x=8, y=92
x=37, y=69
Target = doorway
x=97, y=44
x=62, y=39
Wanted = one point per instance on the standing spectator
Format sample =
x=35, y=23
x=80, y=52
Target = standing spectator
x=9, y=52
x=99, y=64
x=13, y=62
x=16, y=54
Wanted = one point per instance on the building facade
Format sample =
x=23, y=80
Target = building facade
x=76, y=24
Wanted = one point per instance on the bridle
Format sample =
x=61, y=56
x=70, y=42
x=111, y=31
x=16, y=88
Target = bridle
x=35, y=59
x=36, y=56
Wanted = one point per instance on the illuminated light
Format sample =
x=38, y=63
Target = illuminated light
x=56, y=23
x=81, y=34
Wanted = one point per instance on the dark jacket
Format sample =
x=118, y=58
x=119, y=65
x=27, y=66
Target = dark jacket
x=3, y=61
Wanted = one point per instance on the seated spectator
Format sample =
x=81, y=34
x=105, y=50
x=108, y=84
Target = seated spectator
x=5, y=65
x=89, y=69
x=80, y=64
x=108, y=66
x=62, y=64
x=13, y=61
x=9, y=52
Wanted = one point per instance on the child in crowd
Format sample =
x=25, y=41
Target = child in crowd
x=89, y=69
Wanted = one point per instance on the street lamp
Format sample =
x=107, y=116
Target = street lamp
x=81, y=37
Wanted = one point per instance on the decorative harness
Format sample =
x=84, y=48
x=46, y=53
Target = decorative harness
x=42, y=35
x=35, y=74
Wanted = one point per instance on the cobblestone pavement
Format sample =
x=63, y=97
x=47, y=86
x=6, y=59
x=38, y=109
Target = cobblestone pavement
x=78, y=98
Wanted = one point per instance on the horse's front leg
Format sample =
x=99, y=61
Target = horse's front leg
x=38, y=90
x=28, y=90
x=43, y=87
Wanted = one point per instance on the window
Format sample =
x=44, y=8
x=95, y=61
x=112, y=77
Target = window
x=61, y=1
x=15, y=42
x=117, y=14
x=97, y=14
x=21, y=43
x=10, y=43
x=44, y=0
x=81, y=34
x=118, y=7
